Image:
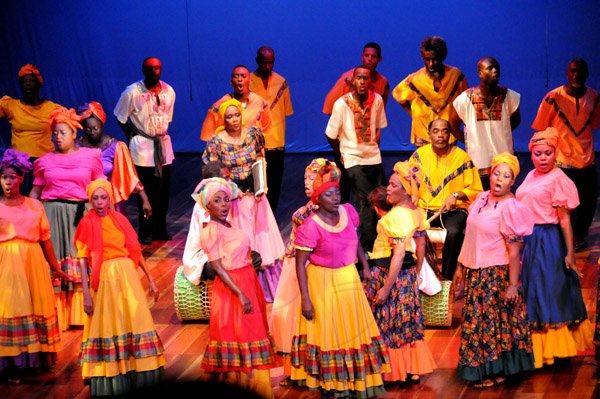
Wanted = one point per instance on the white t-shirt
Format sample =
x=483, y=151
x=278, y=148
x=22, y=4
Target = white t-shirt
x=357, y=148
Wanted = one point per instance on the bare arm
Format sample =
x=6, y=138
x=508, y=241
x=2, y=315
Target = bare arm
x=514, y=270
x=48, y=251
x=564, y=219
x=420, y=252
x=308, y=310
x=153, y=288
x=126, y=129
x=362, y=258
x=226, y=278
x=395, y=266
x=88, y=303
x=36, y=192
x=335, y=146
x=145, y=204
x=455, y=123
x=515, y=119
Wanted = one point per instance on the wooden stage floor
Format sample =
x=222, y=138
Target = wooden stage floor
x=185, y=342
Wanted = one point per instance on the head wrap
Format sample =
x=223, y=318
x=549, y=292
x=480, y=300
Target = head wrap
x=509, y=159
x=17, y=160
x=209, y=187
x=100, y=183
x=93, y=108
x=223, y=107
x=29, y=69
x=328, y=175
x=411, y=175
x=68, y=116
x=548, y=137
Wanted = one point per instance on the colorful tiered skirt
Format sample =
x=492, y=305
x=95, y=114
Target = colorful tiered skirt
x=29, y=333
x=240, y=347
x=555, y=304
x=495, y=336
x=120, y=349
x=400, y=321
x=340, y=351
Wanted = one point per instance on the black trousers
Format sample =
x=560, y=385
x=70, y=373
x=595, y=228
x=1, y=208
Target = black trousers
x=455, y=223
x=157, y=189
x=586, y=181
x=345, y=186
x=363, y=179
x=275, y=165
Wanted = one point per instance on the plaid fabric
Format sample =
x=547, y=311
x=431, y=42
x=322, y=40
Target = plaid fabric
x=342, y=364
x=233, y=356
x=30, y=329
x=121, y=347
x=482, y=112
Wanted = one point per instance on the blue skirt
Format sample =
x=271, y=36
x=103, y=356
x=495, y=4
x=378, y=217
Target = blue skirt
x=552, y=292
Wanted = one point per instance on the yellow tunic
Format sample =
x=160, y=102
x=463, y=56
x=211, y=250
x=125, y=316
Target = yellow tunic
x=398, y=223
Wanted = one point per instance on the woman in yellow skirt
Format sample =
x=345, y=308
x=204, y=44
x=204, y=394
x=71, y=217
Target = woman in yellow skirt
x=29, y=333
x=337, y=347
x=120, y=349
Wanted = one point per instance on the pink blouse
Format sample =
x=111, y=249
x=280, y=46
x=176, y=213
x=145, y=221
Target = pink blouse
x=26, y=221
x=330, y=246
x=65, y=176
x=490, y=226
x=229, y=244
x=543, y=193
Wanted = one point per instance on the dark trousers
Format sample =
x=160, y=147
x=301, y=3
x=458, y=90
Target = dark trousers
x=363, y=179
x=345, y=186
x=455, y=223
x=586, y=181
x=275, y=165
x=157, y=189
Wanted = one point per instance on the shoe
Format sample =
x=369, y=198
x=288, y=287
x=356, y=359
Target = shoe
x=414, y=379
x=287, y=382
x=146, y=240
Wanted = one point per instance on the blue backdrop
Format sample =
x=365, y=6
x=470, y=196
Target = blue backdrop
x=92, y=50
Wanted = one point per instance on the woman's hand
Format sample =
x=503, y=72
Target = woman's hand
x=246, y=304
x=88, y=304
x=367, y=275
x=382, y=296
x=154, y=290
x=458, y=276
x=60, y=274
x=511, y=295
x=308, y=311
x=147, y=209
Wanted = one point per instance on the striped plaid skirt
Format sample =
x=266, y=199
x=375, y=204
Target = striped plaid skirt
x=120, y=348
x=340, y=350
x=238, y=341
x=28, y=321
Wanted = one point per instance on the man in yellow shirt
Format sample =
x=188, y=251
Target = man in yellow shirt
x=28, y=118
x=275, y=90
x=451, y=183
x=427, y=94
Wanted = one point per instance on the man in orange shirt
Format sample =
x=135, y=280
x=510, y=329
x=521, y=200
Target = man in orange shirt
x=371, y=57
x=275, y=90
x=574, y=110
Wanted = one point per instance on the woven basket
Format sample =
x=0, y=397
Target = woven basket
x=437, y=309
x=192, y=302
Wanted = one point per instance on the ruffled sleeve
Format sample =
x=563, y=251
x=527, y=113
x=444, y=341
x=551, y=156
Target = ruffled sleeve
x=209, y=239
x=516, y=221
x=397, y=225
x=124, y=177
x=564, y=193
x=352, y=215
x=39, y=165
x=306, y=236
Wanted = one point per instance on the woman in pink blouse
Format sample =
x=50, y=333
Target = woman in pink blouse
x=337, y=347
x=29, y=325
x=495, y=334
x=60, y=179
x=237, y=147
x=550, y=283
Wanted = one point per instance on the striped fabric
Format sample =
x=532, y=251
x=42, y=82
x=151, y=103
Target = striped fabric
x=30, y=329
x=121, y=347
x=242, y=355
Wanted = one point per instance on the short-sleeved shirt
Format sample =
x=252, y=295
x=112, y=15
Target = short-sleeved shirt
x=487, y=129
x=490, y=226
x=542, y=193
x=399, y=224
x=150, y=115
x=30, y=129
x=26, y=221
x=65, y=176
x=330, y=246
x=229, y=244
x=359, y=145
x=277, y=95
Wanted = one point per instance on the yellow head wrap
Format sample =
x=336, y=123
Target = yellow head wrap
x=509, y=159
x=209, y=187
x=548, y=137
x=223, y=107
x=411, y=175
x=100, y=183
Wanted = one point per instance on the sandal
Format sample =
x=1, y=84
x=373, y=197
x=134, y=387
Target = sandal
x=499, y=380
x=487, y=383
x=287, y=382
x=415, y=379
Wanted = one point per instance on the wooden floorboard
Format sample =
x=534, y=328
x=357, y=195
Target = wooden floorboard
x=185, y=342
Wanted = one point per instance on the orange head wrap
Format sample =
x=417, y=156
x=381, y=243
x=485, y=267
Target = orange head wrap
x=548, y=137
x=509, y=159
x=328, y=175
x=100, y=183
x=93, y=108
x=29, y=69
x=411, y=175
x=68, y=116
x=223, y=108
